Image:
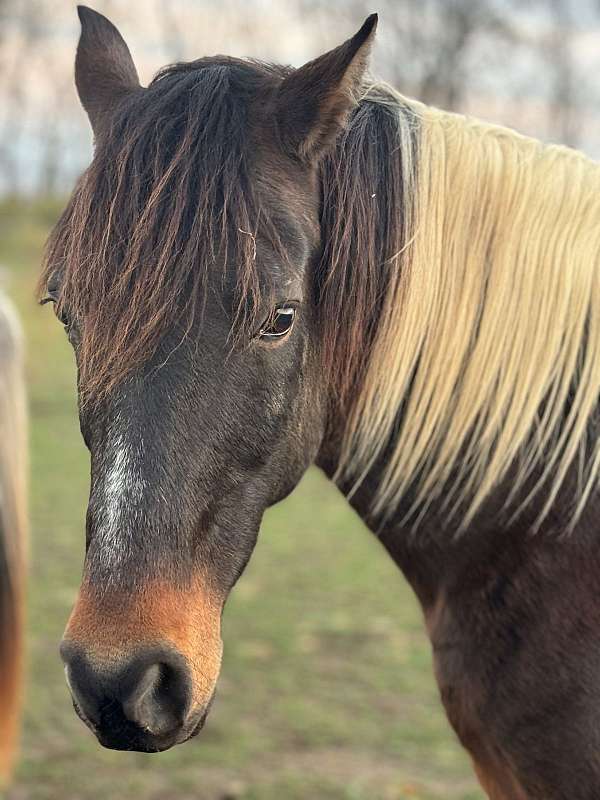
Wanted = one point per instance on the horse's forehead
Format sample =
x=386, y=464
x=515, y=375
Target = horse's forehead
x=292, y=205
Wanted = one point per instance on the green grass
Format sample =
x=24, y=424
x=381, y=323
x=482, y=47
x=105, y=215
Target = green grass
x=326, y=691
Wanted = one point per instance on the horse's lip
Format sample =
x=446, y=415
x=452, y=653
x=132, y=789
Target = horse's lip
x=201, y=720
x=197, y=727
x=86, y=721
x=156, y=747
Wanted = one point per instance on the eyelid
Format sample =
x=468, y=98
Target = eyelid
x=53, y=285
x=287, y=308
x=60, y=313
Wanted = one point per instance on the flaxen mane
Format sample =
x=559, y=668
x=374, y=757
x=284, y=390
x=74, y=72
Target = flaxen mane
x=458, y=283
x=12, y=532
x=489, y=335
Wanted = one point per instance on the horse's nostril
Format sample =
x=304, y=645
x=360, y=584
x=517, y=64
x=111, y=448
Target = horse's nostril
x=135, y=704
x=159, y=701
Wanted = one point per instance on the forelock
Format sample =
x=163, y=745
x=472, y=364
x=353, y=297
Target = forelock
x=168, y=199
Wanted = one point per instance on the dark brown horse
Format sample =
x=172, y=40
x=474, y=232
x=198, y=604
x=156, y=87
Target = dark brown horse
x=265, y=268
x=12, y=532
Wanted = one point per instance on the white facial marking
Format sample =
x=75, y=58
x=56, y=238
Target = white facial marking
x=121, y=494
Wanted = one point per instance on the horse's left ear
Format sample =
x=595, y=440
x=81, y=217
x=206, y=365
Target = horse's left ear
x=314, y=101
x=104, y=69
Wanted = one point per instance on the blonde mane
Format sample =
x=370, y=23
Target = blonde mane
x=12, y=532
x=489, y=337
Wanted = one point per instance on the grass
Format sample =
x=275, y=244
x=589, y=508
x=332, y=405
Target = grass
x=326, y=692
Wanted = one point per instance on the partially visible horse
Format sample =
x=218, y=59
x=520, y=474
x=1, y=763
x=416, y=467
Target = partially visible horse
x=264, y=268
x=12, y=531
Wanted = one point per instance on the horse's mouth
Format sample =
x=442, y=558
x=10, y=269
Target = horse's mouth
x=197, y=728
x=121, y=734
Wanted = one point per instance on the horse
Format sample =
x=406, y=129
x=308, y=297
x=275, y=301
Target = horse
x=12, y=532
x=265, y=268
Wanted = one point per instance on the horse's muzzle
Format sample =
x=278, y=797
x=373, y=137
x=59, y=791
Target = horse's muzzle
x=144, y=704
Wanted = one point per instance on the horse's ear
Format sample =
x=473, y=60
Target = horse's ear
x=314, y=101
x=104, y=69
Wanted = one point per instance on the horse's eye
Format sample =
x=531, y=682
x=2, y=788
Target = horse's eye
x=61, y=315
x=279, y=323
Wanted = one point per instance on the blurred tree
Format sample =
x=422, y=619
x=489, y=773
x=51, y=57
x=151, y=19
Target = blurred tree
x=516, y=61
x=173, y=31
x=425, y=44
x=564, y=100
x=17, y=30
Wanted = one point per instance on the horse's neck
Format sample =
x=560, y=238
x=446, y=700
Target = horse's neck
x=436, y=553
x=422, y=563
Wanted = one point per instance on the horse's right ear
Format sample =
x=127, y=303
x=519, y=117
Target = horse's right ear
x=104, y=69
x=314, y=101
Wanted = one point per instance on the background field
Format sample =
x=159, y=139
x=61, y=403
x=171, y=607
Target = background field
x=326, y=691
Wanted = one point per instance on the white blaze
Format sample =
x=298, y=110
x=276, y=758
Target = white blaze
x=119, y=498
